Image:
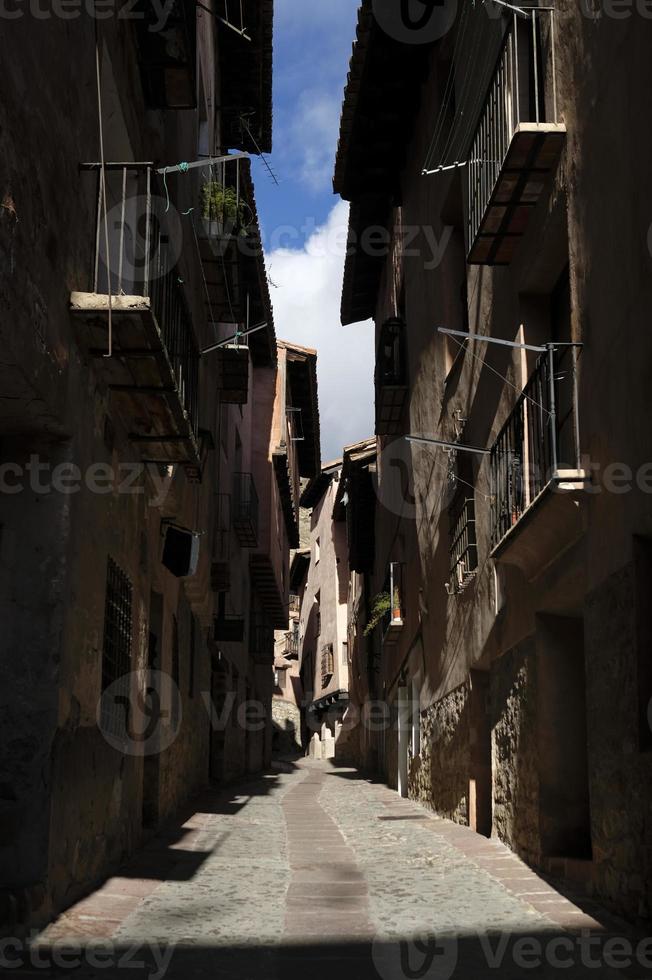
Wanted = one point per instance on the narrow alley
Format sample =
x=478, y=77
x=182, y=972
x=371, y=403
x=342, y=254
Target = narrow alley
x=315, y=870
x=325, y=489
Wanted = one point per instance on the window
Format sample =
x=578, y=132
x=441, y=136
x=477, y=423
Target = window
x=317, y=551
x=463, y=548
x=318, y=614
x=116, y=649
x=327, y=664
x=345, y=653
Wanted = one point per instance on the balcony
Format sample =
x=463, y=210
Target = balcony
x=463, y=547
x=244, y=508
x=286, y=468
x=536, y=471
x=135, y=311
x=391, y=380
x=393, y=620
x=518, y=140
x=233, y=374
x=167, y=57
x=327, y=664
x=291, y=645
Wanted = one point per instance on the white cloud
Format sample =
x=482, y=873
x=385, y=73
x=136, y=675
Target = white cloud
x=307, y=311
x=314, y=134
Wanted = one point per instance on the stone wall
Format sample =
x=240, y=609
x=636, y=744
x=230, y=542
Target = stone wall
x=514, y=751
x=439, y=776
x=286, y=727
x=619, y=773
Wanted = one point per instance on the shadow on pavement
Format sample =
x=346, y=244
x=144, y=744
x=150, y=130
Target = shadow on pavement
x=541, y=955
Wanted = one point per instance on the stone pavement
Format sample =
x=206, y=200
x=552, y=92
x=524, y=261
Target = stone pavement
x=316, y=871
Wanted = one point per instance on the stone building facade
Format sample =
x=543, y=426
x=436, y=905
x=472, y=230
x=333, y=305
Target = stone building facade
x=480, y=166
x=323, y=650
x=145, y=532
x=302, y=419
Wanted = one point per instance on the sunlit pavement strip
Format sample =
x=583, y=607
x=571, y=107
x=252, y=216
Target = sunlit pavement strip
x=317, y=872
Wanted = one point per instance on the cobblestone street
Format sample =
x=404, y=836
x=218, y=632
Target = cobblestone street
x=316, y=871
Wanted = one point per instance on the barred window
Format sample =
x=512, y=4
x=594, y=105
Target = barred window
x=327, y=664
x=116, y=650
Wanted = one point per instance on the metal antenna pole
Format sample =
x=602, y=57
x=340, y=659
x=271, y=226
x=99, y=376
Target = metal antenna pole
x=458, y=447
x=235, y=336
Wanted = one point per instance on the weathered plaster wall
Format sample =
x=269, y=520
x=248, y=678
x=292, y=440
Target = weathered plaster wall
x=495, y=622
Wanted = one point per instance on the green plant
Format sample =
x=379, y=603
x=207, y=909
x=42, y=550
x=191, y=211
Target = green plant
x=219, y=203
x=380, y=606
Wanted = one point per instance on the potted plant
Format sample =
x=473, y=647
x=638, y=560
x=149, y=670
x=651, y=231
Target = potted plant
x=223, y=211
x=396, y=606
x=381, y=604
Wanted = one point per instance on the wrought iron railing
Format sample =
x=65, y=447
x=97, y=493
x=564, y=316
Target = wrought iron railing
x=517, y=94
x=394, y=587
x=244, y=509
x=140, y=258
x=295, y=603
x=327, y=663
x=390, y=358
x=463, y=547
x=539, y=439
x=291, y=645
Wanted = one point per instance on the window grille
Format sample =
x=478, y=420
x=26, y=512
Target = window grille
x=327, y=663
x=116, y=650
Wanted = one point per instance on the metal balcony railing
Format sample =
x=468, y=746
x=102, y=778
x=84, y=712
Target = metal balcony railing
x=140, y=261
x=327, y=663
x=244, y=508
x=393, y=618
x=463, y=548
x=295, y=603
x=390, y=360
x=291, y=645
x=390, y=377
x=539, y=443
x=168, y=54
x=506, y=179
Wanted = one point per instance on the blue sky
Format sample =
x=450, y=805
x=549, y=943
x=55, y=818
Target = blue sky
x=303, y=223
x=312, y=47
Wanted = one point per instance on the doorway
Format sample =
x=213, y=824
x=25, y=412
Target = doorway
x=564, y=804
x=480, y=776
